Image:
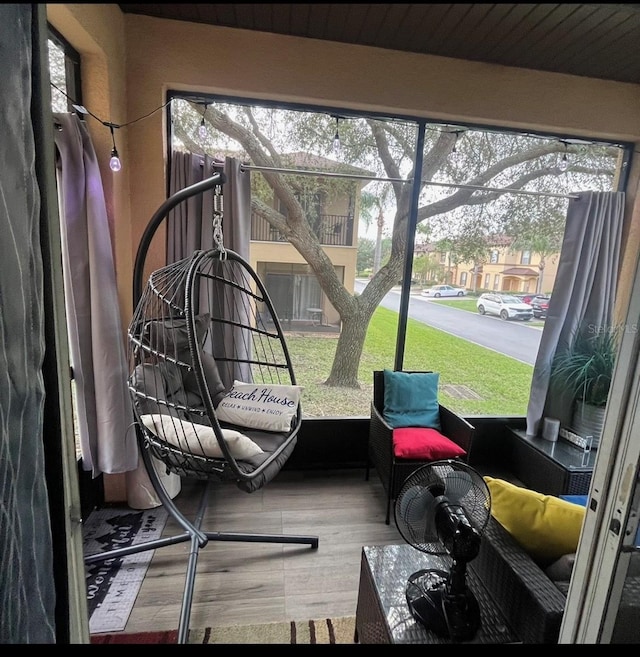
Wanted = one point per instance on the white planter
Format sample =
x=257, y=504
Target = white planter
x=588, y=421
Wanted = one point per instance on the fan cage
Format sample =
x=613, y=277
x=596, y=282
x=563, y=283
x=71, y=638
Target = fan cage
x=200, y=324
x=461, y=485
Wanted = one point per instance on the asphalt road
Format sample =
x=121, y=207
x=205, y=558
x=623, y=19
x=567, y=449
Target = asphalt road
x=518, y=340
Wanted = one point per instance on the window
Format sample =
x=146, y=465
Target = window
x=64, y=72
x=525, y=258
x=355, y=193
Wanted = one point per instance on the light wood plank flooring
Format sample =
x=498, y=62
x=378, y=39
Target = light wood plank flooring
x=245, y=583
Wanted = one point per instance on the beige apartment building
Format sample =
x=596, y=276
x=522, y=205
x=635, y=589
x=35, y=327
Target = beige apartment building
x=505, y=269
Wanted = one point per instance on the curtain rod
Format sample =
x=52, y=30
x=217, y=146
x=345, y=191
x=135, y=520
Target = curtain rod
x=305, y=172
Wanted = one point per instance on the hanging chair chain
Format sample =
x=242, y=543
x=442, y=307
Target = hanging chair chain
x=216, y=221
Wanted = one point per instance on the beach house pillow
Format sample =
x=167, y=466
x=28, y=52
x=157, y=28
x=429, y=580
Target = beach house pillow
x=260, y=405
x=424, y=444
x=198, y=438
x=544, y=525
x=411, y=399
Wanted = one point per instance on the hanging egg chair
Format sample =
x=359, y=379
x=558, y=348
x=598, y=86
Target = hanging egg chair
x=212, y=384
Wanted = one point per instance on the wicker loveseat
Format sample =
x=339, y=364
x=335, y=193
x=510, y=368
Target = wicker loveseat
x=532, y=603
x=529, y=600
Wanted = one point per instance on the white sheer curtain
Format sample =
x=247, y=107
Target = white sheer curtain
x=96, y=336
x=584, y=292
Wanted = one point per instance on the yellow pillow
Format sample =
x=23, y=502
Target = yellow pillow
x=545, y=526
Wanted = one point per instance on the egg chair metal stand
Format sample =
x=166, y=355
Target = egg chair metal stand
x=199, y=325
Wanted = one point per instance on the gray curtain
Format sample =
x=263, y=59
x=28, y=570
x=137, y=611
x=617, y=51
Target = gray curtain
x=190, y=228
x=96, y=336
x=27, y=592
x=584, y=292
x=189, y=224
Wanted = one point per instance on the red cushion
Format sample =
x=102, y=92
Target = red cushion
x=428, y=444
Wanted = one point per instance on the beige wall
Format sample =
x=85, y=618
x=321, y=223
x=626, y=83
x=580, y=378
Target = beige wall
x=129, y=62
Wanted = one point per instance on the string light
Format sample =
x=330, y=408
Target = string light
x=337, y=146
x=114, y=162
x=202, y=130
x=454, y=155
x=564, y=162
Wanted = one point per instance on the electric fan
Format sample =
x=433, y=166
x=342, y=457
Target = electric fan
x=442, y=509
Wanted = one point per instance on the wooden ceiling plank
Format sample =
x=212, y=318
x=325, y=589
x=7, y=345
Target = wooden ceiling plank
x=222, y=14
x=502, y=36
x=594, y=40
x=351, y=31
x=608, y=30
x=449, y=24
x=570, y=30
x=390, y=32
x=321, y=20
x=494, y=26
x=560, y=21
x=263, y=17
x=299, y=19
x=421, y=23
x=465, y=37
x=521, y=23
x=376, y=17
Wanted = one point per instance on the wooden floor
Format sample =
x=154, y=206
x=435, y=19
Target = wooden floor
x=246, y=583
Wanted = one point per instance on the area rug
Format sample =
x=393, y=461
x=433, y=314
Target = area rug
x=322, y=631
x=113, y=584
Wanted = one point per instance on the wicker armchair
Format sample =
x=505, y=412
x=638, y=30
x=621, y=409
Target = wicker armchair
x=392, y=470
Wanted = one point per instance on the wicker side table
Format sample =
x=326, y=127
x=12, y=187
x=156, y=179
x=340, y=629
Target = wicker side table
x=382, y=613
x=551, y=468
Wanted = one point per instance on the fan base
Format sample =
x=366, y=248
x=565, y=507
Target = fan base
x=452, y=616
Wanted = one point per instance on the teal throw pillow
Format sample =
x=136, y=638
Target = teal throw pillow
x=411, y=399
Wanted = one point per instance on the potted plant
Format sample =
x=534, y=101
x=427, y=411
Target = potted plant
x=585, y=369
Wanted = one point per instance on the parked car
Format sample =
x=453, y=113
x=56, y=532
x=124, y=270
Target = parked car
x=444, y=291
x=540, y=305
x=505, y=306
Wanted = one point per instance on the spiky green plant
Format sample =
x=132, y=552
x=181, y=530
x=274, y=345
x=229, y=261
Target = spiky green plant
x=586, y=367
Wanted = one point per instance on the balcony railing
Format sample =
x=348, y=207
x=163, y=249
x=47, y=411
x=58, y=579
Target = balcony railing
x=331, y=229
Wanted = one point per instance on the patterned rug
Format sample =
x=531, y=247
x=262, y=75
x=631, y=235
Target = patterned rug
x=113, y=584
x=323, y=631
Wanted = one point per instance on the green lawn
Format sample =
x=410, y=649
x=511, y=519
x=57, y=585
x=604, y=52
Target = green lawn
x=463, y=304
x=501, y=383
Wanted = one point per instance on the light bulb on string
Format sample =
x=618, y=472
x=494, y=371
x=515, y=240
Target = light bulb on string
x=114, y=162
x=202, y=129
x=454, y=155
x=564, y=162
x=337, y=146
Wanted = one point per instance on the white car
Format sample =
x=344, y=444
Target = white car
x=444, y=291
x=505, y=306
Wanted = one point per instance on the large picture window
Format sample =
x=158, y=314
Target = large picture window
x=329, y=228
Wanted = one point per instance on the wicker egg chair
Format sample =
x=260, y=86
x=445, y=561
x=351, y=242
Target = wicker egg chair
x=204, y=335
